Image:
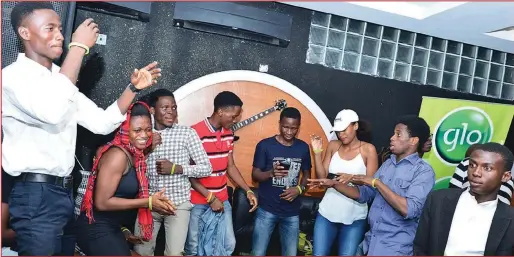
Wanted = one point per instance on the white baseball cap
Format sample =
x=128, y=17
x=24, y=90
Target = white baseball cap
x=344, y=118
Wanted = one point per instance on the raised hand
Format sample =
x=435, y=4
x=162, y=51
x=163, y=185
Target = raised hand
x=86, y=33
x=145, y=77
x=316, y=142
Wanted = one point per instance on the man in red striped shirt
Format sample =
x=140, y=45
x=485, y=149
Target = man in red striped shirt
x=211, y=192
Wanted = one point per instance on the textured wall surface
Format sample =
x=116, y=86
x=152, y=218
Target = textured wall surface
x=185, y=55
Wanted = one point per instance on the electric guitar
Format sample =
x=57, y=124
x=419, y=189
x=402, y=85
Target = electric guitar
x=279, y=105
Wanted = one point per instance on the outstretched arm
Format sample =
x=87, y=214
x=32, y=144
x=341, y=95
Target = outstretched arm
x=100, y=121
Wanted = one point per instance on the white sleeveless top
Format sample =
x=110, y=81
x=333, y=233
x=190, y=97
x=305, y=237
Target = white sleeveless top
x=335, y=206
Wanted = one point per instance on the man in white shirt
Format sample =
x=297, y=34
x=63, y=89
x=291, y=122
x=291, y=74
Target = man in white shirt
x=470, y=221
x=460, y=179
x=41, y=107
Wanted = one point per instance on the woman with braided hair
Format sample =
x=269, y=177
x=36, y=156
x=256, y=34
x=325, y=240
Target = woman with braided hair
x=117, y=186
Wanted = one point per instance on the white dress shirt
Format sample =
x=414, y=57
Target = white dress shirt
x=470, y=226
x=40, y=113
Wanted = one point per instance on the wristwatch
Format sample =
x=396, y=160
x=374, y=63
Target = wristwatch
x=133, y=88
x=303, y=188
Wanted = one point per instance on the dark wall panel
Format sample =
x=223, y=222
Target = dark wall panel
x=185, y=55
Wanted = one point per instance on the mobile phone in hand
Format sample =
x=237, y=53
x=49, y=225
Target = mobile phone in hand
x=285, y=165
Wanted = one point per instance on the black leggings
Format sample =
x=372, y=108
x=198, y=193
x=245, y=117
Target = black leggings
x=103, y=237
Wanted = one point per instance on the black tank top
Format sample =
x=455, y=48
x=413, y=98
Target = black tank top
x=128, y=188
x=129, y=185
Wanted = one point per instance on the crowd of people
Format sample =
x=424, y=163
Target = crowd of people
x=156, y=171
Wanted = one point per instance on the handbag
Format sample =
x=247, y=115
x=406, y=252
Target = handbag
x=81, y=191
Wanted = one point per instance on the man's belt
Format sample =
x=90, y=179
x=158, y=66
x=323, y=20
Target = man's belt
x=65, y=182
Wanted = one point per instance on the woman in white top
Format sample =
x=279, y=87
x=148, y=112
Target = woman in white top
x=338, y=216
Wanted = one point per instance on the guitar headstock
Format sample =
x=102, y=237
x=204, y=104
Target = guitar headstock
x=280, y=104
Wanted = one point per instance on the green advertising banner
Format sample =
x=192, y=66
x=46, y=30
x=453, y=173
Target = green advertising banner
x=457, y=124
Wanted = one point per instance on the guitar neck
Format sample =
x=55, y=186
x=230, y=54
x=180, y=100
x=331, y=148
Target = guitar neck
x=253, y=119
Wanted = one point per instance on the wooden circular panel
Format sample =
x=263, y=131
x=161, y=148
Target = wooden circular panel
x=256, y=97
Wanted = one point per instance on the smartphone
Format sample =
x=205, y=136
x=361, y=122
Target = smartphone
x=285, y=165
x=331, y=176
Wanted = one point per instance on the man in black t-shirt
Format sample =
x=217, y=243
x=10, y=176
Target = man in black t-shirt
x=281, y=165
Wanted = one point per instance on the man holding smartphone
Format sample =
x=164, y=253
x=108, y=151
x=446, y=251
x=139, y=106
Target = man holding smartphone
x=277, y=164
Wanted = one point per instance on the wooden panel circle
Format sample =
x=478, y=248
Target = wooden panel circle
x=256, y=97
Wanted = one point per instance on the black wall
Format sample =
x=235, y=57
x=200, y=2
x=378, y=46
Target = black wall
x=185, y=55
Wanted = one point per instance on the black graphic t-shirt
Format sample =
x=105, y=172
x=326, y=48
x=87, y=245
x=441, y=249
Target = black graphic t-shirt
x=295, y=158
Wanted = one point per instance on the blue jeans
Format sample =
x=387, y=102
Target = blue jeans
x=191, y=247
x=39, y=213
x=289, y=228
x=348, y=236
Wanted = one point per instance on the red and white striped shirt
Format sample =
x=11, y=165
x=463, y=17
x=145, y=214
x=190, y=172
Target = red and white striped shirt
x=218, y=144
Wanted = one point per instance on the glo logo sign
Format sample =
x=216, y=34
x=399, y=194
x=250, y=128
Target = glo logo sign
x=459, y=129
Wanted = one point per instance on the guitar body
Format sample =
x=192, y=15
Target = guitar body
x=256, y=97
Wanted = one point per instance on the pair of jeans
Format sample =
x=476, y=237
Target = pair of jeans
x=40, y=213
x=191, y=248
x=265, y=222
x=348, y=236
x=211, y=240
